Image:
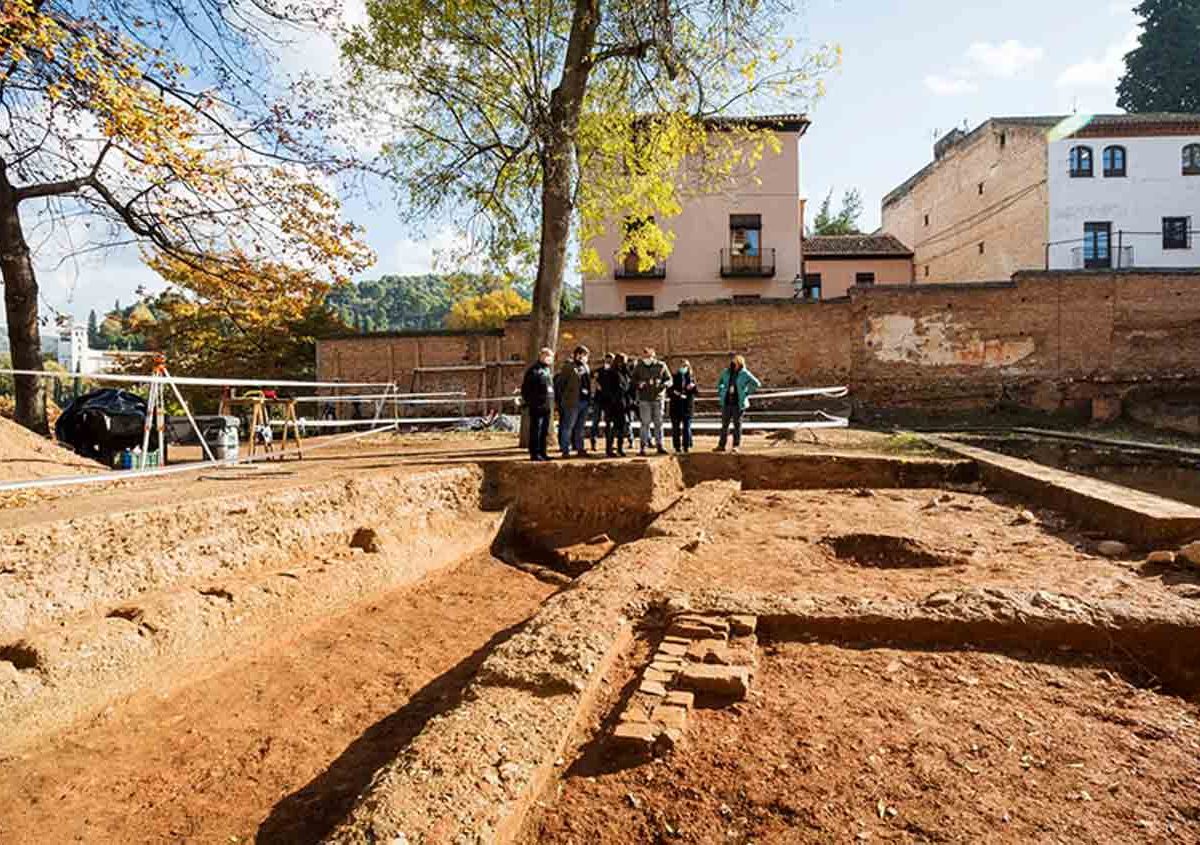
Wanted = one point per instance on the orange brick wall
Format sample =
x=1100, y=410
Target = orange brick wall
x=1043, y=340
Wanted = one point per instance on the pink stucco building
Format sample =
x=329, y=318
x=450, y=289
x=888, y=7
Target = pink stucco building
x=742, y=244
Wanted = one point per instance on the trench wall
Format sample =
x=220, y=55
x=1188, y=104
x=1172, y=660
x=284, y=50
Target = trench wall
x=56, y=569
x=1049, y=341
x=86, y=617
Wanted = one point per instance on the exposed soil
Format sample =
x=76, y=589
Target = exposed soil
x=798, y=542
x=849, y=440
x=392, y=452
x=277, y=745
x=25, y=455
x=884, y=551
x=839, y=744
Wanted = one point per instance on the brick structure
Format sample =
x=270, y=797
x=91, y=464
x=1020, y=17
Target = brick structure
x=978, y=211
x=1046, y=340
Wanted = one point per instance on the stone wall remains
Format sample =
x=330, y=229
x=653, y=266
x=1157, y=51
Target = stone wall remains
x=1049, y=341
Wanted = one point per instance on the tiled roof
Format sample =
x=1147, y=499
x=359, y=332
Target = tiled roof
x=793, y=122
x=1146, y=119
x=823, y=246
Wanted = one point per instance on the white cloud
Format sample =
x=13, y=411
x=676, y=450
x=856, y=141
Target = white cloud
x=1005, y=60
x=318, y=52
x=447, y=247
x=944, y=86
x=1100, y=72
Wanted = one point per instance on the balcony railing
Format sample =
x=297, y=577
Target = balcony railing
x=628, y=269
x=760, y=265
x=1118, y=258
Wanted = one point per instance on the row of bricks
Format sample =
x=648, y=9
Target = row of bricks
x=695, y=657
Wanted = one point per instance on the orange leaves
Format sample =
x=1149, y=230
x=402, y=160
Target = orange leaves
x=185, y=169
x=235, y=316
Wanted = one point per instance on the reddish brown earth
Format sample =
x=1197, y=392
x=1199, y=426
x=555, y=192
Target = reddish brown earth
x=26, y=455
x=838, y=744
x=276, y=745
x=789, y=542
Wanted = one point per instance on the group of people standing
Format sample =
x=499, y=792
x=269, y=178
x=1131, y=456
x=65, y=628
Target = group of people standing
x=617, y=392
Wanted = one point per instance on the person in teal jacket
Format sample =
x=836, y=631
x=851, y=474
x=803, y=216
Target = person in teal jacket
x=734, y=389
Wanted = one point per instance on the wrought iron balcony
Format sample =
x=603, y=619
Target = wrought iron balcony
x=627, y=268
x=1117, y=258
x=759, y=265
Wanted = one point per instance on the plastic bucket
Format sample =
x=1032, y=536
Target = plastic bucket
x=222, y=437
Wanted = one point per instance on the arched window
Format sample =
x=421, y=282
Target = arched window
x=1081, y=161
x=1191, y=160
x=1114, y=161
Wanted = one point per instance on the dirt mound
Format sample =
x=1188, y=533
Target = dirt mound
x=25, y=455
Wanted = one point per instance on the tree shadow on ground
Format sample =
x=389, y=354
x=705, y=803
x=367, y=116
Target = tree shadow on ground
x=310, y=813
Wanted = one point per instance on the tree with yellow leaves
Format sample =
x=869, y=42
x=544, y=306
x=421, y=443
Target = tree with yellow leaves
x=99, y=117
x=238, y=318
x=529, y=119
x=487, y=310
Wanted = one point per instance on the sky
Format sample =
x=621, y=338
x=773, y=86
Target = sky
x=911, y=71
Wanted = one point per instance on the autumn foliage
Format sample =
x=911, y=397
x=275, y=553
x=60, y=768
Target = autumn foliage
x=487, y=310
x=252, y=319
x=99, y=119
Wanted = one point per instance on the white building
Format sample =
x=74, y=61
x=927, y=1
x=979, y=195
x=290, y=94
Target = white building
x=1124, y=192
x=77, y=357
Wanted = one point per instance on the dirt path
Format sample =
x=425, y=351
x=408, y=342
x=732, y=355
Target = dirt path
x=274, y=747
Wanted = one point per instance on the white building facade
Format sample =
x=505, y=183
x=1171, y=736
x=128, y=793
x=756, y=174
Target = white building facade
x=76, y=356
x=1124, y=193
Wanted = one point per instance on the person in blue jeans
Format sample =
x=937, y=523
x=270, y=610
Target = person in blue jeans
x=682, y=395
x=734, y=389
x=575, y=380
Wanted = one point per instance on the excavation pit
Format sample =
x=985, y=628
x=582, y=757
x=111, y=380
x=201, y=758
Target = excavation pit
x=861, y=743
x=884, y=551
x=21, y=656
x=322, y=691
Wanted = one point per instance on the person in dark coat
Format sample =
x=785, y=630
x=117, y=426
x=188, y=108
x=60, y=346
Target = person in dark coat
x=598, y=407
x=574, y=391
x=631, y=407
x=612, y=383
x=682, y=395
x=537, y=394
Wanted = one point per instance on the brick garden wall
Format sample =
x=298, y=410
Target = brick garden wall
x=1044, y=340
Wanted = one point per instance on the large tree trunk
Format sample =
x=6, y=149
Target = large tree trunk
x=558, y=175
x=21, y=308
x=558, y=183
x=557, y=207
